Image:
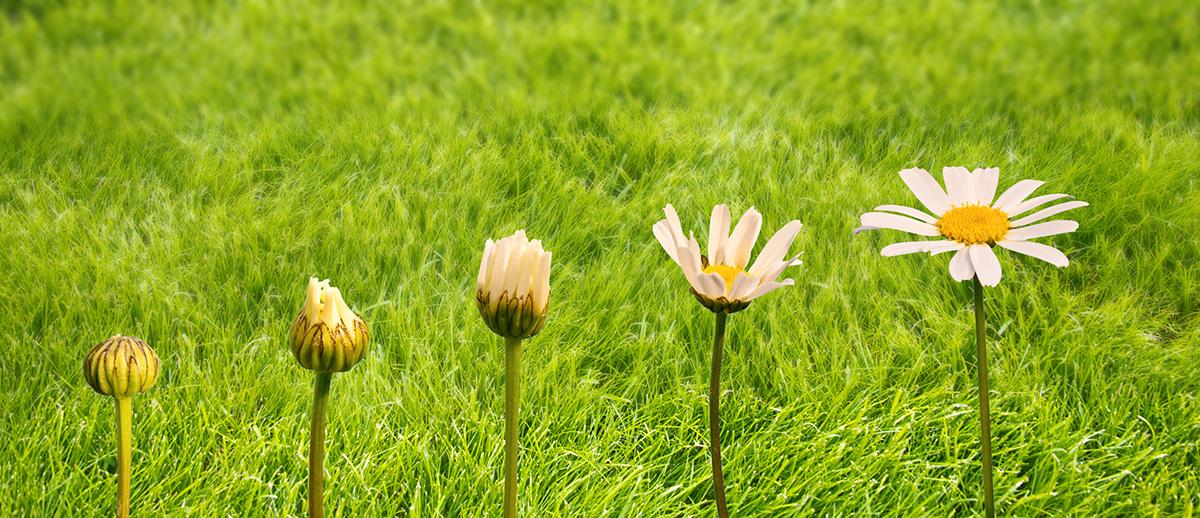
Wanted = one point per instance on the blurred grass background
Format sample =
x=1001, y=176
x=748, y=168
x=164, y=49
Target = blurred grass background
x=176, y=171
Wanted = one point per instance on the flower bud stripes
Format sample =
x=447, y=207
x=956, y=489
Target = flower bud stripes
x=327, y=336
x=512, y=290
x=121, y=366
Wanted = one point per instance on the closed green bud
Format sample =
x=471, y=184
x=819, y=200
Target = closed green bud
x=512, y=290
x=327, y=336
x=121, y=367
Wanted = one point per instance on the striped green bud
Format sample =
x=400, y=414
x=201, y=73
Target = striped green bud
x=121, y=367
x=327, y=336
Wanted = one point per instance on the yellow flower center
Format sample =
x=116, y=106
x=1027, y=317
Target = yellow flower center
x=974, y=224
x=726, y=272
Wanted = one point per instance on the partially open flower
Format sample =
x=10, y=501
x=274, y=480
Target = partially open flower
x=513, y=287
x=121, y=366
x=327, y=336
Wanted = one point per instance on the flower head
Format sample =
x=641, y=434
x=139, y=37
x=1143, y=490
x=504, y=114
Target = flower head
x=973, y=220
x=121, y=366
x=327, y=336
x=720, y=280
x=512, y=290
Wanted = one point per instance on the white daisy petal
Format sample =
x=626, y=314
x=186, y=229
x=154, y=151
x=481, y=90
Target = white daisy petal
x=958, y=185
x=1048, y=211
x=743, y=284
x=927, y=190
x=1037, y=250
x=776, y=248
x=1016, y=194
x=770, y=274
x=1037, y=230
x=737, y=251
x=662, y=232
x=689, y=260
x=711, y=285
x=907, y=211
x=766, y=288
x=718, y=232
x=488, y=247
x=960, y=266
x=985, y=184
x=911, y=247
x=1034, y=203
x=987, y=265
x=673, y=224
x=897, y=222
x=941, y=247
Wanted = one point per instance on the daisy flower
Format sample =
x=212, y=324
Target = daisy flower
x=971, y=219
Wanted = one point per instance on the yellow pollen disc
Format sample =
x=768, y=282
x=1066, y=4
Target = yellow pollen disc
x=974, y=224
x=725, y=271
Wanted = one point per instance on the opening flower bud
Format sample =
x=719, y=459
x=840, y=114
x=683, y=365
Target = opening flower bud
x=327, y=336
x=513, y=287
x=121, y=367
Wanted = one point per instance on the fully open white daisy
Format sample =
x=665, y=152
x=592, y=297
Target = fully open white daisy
x=972, y=220
x=720, y=279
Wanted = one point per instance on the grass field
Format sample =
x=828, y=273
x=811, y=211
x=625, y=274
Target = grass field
x=177, y=170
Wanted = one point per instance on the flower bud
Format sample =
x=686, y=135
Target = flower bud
x=327, y=336
x=121, y=367
x=513, y=287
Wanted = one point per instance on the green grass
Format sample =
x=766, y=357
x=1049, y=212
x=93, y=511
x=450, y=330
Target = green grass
x=177, y=173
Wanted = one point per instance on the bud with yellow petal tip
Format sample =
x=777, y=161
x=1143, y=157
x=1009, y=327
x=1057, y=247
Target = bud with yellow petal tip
x=327, y=336
x=512, y=290
x=121, y=367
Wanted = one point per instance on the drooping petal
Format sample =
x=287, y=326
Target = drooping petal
x=960, y=266
x=941, y=247
x=958, y=185
x=673, y=224
x=662, y=231
x=910, y=247
x=1037, y=230
x=737, y=250
x=718, y=233
x=743, y=284
x=771, y=273
x=776, y=248
x=926, y=189
x=907, y=211
x=1049, y=211
x=689, y=260
x=987, y=265
x=1044, y=252
x=985, y=180
x=1034, y=203
x=1016, y=194
x=897, y=222
x=766, y=288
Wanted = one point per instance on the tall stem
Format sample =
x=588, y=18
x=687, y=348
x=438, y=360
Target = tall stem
x=512, y=397
x=985, y=419
x=316, y=446
x=714, y=415
x=124, y=453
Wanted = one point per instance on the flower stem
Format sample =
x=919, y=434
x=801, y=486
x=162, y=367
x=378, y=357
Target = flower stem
x=124, y=453
x=316, y=446
x=985, y=420
x=714, y=415
x=512, y=396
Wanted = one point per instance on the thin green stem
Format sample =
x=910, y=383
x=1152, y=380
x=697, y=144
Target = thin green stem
x=124, y=453
x=512, y=397
x=985, y=419
x=714, y=415
x=316, y=446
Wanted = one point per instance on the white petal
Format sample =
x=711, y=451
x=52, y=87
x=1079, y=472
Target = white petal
x=776, y=248
x=910, y=247
x=1016, y=194
x=927, y=190
x=662, y=231
x=529, y=259
x=985, y=180
x=481, y=281
x=1044, y=252
x=743, y=284
x=766, y=288
x=987, y=265
x=710, y=285
x=907, y=211
x=718, y=233
x=541, y=292
x=1048, y=228
x=769, y=274
x=940, y=247
x=1034, y=203
x=1048, y=211
x=689, y=260
x=499, y=270
x=897, y=222
x=958, y=185
x=960, y=266
x=737, y=251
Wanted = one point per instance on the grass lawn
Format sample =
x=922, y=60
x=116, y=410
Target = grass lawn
x=177, y=170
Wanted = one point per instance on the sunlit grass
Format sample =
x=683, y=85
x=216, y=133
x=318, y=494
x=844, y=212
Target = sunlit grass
x=176, y=172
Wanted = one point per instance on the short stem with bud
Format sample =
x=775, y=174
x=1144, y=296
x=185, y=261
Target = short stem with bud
x=124, y=453
x=316, y=446
x=512, y=397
